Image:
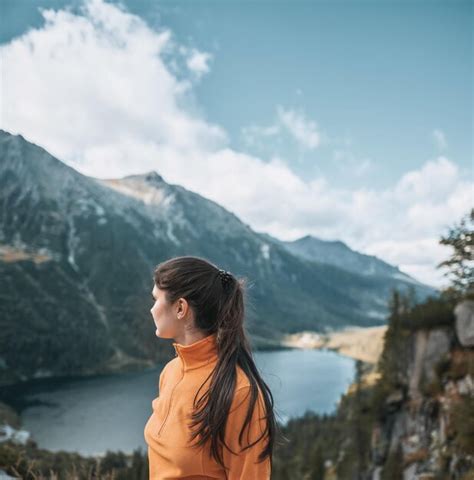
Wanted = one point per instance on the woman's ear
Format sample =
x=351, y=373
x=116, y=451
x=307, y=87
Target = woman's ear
x=182, y=307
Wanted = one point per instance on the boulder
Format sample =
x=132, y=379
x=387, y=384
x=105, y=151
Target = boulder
x=464, y=313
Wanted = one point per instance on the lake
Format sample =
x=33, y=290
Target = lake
x=93, y=415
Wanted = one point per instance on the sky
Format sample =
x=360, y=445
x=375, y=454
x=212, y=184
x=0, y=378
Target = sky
x=348, y=120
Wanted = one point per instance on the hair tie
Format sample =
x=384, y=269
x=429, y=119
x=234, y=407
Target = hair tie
x=226, y=277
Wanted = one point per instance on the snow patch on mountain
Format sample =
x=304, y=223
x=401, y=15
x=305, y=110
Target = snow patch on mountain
x=265, y=249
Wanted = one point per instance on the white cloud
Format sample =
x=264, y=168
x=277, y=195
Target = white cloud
x=197, y=61
x=254, y=134
x=304, y=131
x=440, y=139
x=435, y=178
x=100, y=82
x=293, y=122
x=105, y=97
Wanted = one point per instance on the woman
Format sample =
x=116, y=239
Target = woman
x=213, y=417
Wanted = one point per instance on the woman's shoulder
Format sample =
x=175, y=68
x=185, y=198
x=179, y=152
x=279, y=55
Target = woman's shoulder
x=243, y=383
x=243, y=391
x=242, y=379
x=241, y=402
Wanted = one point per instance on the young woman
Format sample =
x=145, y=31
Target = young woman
x=213, y=417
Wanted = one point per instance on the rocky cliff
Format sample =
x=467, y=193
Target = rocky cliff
x=408, y=416
x=427, y=425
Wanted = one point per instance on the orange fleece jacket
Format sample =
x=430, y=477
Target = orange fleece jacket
x=170, y=453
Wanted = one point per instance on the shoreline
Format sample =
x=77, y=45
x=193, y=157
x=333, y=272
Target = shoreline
x=359, y=343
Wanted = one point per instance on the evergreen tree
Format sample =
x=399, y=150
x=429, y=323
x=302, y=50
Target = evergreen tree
x=461, y=262
x=358, y=418
x=390, y=362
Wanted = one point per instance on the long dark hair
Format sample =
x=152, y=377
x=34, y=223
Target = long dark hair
x=218, y=308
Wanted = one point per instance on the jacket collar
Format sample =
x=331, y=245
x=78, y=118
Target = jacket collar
x=199, y=353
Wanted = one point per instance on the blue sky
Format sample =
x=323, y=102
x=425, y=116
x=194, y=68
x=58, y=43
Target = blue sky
x=356, y=116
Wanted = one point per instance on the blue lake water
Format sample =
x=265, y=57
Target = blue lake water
x=93, y=415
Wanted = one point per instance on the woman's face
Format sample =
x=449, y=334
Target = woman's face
x=164, y=314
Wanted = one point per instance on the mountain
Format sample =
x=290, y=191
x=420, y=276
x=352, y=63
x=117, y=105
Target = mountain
x=337, y=253
x=77, y=256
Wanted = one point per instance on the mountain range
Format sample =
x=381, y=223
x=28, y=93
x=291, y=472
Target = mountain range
x=77, y=255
